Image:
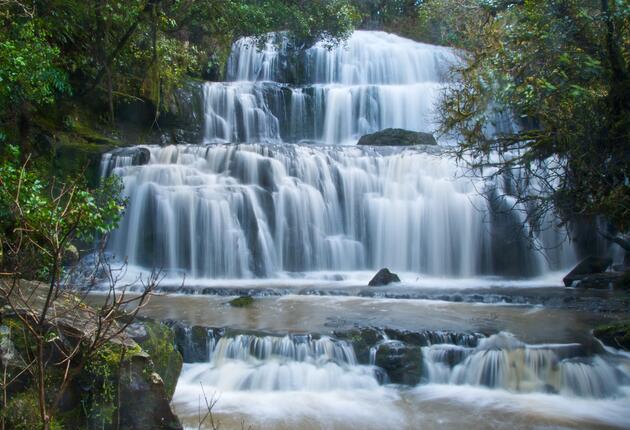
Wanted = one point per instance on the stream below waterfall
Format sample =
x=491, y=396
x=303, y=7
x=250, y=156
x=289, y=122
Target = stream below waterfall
x=275, y=201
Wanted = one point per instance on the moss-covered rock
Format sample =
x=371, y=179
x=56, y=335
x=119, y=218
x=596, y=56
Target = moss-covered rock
x=402, y=362
x=616, y=335
x=22, y=413
x=397, y=137
x=158, y=340
x=362, y=339
x=241, y=302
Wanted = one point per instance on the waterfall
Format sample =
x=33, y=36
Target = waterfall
x=289, y=363
x=241, y=211
x=373, y=81
x=501, y=361
x=277, y=202
x=248, y=362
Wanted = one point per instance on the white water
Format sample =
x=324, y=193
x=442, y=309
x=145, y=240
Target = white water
x=373, y=81
x=242, y=211
x=298, y=382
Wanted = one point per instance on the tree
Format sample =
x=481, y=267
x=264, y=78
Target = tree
x=40, y=223
x=559, y=70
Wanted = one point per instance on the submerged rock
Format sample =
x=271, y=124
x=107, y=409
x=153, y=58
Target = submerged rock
x=383, y=277
x=402, y=362
x=588, y=266
x=397, y=137
x=241, y=302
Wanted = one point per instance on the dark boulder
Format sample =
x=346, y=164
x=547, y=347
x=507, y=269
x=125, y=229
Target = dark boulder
x=589, y=266
x=397, y=137
x=147, y=404
x=403, y=363
x=193, y=342
x=362, y=340
x=383, y=277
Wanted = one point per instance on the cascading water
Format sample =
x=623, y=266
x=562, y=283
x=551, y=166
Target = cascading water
x=375, y=81
x=247, y=368
x=241, y=211
x=258, y=210
x=502, y=361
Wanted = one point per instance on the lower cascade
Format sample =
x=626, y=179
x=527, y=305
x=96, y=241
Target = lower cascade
x=302, y=363
x=252, y=210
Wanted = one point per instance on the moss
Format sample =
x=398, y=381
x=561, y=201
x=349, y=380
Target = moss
x=22, y=413
x=615, y=334
x=241, y=302
x=166, y=359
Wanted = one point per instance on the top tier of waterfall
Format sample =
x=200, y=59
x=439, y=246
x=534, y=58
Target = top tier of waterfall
x=276, y=93
x=366, y=58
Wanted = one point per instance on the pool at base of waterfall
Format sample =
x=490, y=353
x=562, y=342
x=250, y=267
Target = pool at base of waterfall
x=345, y=362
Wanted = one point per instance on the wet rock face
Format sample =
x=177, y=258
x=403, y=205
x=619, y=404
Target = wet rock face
x=589, y=266
x=402, y=362
x=616, y=335
x=397, y=137
x=194, y=343
x=383, y=277
x=139, y=155
x=362, y=340
x=147, y=405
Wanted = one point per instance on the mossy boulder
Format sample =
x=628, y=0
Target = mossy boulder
x=616, y=335
x=146, y=404
x=402, y=362
x=623, y=281
x=397, y=137
x=241, y=302
x=362, y=340
x=158, y=340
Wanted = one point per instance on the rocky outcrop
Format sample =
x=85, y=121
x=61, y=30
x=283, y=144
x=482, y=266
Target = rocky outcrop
x=383, y=277
x=120, y=382
x=397, y=137
x=193, y=342
x=587, y=267
x=158, y=340
x=138, y=154
x=616, y=335
x=402, y=362
x=145, y=403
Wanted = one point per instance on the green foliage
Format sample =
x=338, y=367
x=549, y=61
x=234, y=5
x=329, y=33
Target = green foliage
x=44, y=217
x=28, y=70
x=114, y=50
x=166, y=359
x=561, y=68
